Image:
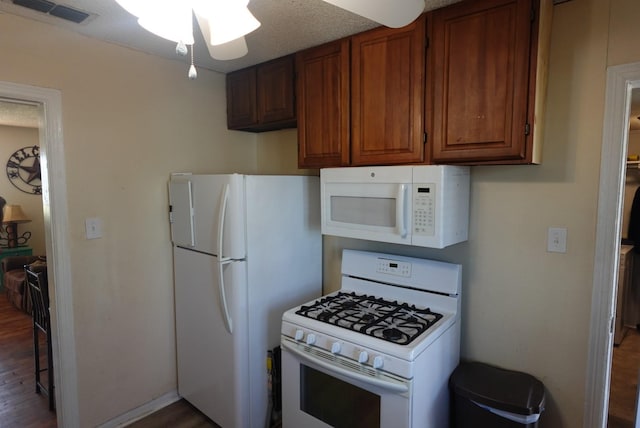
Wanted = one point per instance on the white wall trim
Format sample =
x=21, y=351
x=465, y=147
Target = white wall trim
x=621, y=80
x=54, y=200
x=142, y=411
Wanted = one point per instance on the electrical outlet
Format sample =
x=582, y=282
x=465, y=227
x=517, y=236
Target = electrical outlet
x=557, y=240
x=93, y=228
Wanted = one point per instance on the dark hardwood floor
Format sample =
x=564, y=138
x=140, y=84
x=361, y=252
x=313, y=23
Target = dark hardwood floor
x=624, y=381
x=20, y=406
x=177, y=415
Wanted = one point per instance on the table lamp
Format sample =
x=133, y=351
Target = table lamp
x=13, y=215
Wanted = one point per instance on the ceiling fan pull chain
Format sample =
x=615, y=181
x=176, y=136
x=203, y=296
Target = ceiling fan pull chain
x=192, y=70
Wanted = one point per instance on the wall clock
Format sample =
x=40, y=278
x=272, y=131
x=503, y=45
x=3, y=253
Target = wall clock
x=23, y=170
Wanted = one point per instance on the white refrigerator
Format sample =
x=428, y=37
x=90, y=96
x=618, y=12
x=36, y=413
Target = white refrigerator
x=246, y=248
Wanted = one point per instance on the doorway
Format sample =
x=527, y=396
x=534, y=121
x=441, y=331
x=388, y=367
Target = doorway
x=621, y=81
x=626, y=352
x=54, y=201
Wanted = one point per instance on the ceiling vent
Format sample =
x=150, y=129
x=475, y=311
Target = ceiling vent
x=53, y=9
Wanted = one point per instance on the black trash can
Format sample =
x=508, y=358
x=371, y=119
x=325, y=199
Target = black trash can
x=488, y=396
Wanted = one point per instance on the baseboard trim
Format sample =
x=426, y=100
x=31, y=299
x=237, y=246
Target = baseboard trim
x=142, y=411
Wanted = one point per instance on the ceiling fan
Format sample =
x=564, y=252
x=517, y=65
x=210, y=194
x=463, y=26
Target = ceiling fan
x=224, y=23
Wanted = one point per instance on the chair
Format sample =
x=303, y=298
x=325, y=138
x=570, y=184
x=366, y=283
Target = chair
x=36, y=277
x=14, y=280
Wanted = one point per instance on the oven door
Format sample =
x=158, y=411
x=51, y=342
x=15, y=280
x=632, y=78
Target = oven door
x=322, y=390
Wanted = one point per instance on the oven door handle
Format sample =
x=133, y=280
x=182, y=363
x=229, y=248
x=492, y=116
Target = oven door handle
x=390, y=386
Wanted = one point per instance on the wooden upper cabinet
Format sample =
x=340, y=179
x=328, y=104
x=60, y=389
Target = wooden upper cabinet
x=275, y=88
x=387, y=95
x=262, y=98
x=322, y=87
x=482, y=64
x=241, y=99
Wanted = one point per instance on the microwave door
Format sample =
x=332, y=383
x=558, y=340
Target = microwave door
x=376, y=211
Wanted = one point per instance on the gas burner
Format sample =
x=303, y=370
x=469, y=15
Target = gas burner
x=395, y=322
x=392, y=334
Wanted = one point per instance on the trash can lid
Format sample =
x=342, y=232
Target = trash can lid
x=501, y=389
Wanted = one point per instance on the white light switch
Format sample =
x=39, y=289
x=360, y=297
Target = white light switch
x=93, y=228
x=557, y=240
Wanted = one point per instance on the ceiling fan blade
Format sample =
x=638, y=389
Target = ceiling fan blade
x=231, y=50
x=391, y=13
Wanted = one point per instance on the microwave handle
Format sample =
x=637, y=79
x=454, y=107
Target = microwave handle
x=401, y=215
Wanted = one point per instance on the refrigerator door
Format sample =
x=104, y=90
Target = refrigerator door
x=212, y=363
x=284, y=254
x=207, y=214
x=181, y=212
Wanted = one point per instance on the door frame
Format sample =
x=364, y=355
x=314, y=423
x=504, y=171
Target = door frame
x=621, y=80
x=54, y=204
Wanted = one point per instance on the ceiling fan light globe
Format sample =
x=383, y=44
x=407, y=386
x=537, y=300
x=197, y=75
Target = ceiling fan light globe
x=136, y=8
x=173, y=22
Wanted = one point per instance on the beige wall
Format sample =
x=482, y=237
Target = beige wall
x=13, y=138
x=129, y=119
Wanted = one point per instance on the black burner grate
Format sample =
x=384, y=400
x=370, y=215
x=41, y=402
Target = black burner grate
x=395, y=322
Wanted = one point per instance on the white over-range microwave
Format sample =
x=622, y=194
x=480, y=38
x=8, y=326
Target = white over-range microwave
x=425, y=206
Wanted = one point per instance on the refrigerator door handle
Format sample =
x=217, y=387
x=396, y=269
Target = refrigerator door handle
x=223, y=260
x=223, y=297
x=221, y=216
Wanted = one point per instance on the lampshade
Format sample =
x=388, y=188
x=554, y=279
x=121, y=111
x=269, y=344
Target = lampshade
x=14, y=214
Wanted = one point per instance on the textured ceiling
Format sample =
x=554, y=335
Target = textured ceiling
x=287, y=26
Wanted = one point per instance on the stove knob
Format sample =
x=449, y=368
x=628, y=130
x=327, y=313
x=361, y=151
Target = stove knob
x=363, y=357
x=311, y=339
x=299, y=335
x=336, y=348
x=378, y=362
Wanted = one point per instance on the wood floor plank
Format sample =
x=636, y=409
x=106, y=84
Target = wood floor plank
x=180, y=414
x=624, y=381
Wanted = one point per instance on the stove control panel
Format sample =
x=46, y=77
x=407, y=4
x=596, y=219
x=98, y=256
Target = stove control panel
x=340, y=347
x=393, y=267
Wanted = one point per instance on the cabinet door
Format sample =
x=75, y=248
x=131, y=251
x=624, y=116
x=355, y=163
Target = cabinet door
x=387, y=95
x=275, y=89
x=241, y=99
x=322, y=87
x=479, y=57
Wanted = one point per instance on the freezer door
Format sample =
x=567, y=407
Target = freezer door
x=212, y=363
x=181, y=213
x=208, y=214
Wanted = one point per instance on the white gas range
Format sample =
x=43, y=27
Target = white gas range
x=378, y=352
